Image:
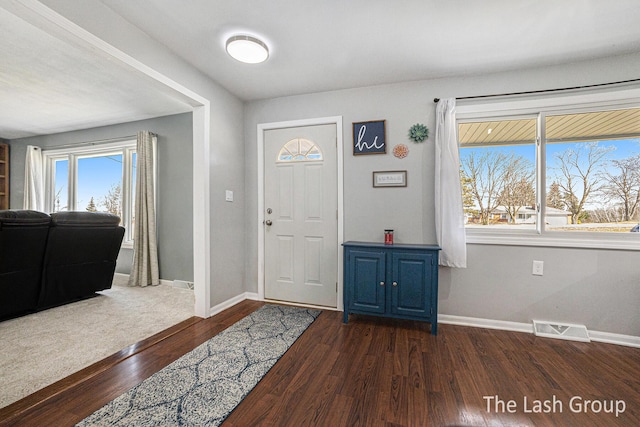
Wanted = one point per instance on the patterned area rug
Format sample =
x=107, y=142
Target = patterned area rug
x=205, y=385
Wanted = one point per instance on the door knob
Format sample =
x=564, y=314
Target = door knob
x=268, y=222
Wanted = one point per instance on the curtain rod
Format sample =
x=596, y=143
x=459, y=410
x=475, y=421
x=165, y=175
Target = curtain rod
x=544, y=90
x=98, y=141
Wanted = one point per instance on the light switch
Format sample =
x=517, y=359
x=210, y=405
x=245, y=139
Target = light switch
x=228, y=195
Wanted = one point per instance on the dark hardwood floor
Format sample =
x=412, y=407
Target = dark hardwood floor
x=380, y=372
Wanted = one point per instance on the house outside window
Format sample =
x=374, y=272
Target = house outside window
x=497, y=167
x=97, y=178
x=566, y=177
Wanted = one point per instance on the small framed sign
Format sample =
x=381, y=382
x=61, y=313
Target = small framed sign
x=390, y=179
x=369, y=138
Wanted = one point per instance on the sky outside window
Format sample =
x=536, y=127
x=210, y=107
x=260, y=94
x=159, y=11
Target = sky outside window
x=61, y=185
x=97, y=176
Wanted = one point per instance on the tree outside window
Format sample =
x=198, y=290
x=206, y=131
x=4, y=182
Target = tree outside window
x=591, y=170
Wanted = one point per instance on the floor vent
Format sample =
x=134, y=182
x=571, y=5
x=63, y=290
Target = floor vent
x=182, y=284
x=563, y=331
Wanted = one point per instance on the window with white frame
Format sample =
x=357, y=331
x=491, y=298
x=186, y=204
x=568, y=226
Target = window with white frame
x=98, y=178
x=299, y=150
x=570, y=173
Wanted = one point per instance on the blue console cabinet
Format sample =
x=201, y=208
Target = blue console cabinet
x=399, y=281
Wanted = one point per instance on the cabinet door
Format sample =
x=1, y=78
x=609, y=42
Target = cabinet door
x=366, y=281
x=411, y=284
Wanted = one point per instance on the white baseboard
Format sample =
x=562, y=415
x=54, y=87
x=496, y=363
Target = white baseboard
x=124, y=276
x=619, y=339
x=231, y=302
x=485, y=323
x=253, y=296
x=603, y=337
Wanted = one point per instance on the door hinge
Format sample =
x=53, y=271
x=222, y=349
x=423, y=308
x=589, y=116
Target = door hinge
x=336, y=287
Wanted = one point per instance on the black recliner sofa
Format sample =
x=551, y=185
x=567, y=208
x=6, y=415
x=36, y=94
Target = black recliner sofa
x=23, y=239
x=50, y=260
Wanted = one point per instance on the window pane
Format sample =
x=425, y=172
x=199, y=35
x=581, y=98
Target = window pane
x=100, y=184
x=497, y=171
x=299, y=150
x=593, y=171
x=96, y=180
x=61, y=185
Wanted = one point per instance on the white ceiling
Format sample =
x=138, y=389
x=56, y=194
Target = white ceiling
x=320, y=45
x=49, y=85
x=315, y=46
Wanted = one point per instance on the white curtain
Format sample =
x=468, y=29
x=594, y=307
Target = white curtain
x=34, y=179
x=448, y=190
x=144, y=270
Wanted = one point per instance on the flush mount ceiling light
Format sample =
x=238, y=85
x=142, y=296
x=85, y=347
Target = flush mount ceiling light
x=247, y=49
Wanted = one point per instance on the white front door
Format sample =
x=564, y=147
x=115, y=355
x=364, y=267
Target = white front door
x=301, y=214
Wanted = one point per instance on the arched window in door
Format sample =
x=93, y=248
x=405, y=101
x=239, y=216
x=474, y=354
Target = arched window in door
x=299, y=150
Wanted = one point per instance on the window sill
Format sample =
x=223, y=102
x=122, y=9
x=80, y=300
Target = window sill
x=557, y=240
x=126, y=245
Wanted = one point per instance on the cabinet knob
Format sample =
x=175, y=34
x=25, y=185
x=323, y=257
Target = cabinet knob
x=381, y=283
x=395, y=283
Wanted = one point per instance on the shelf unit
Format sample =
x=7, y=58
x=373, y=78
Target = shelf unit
x=4, y=176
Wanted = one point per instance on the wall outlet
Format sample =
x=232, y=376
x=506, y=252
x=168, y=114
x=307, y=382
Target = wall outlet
x=538, y=268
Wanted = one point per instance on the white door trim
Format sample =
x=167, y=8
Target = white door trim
x=262, y=127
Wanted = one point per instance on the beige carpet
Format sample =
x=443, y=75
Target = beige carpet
x=42, y=348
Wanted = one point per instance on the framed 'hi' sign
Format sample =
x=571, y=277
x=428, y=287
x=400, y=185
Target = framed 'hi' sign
x=369, y=138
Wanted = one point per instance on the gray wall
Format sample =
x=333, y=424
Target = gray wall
x=598, y=288
x=227, y=218
x=175, y=180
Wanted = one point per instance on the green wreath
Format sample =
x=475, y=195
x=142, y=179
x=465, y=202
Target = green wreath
x=418, y=132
